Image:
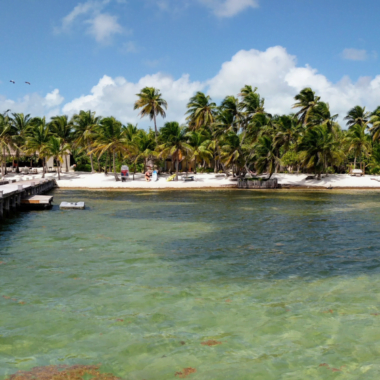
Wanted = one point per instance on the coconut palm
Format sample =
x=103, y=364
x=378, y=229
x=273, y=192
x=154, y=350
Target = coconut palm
x=357, y=115
x=20, y=124
x=56, y=148
x=37, y=137
x=319, y=148
x=232, y=153
x=321, y=115
x=6, y=140
x=174, y=144
x=110, y=138
x=230, y=106
x=151, y=104
x=358, y=141
x=251, y=102
x=86, y=124
x=265, y=155
x=200, y=142
x=145, y=147
x=62, y=127
x=306, y=101
x=375, y=121
x=201, y=111
x=287, y=131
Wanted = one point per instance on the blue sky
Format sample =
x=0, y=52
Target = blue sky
x=96, y=54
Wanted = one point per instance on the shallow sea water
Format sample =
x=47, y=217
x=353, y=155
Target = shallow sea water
x=287, y=282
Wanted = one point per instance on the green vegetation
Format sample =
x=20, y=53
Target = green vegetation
x=238, y=136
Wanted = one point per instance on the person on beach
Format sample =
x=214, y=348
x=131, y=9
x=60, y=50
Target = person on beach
x=148, y=176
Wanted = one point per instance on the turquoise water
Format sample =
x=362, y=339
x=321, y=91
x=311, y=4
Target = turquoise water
x=287, y=282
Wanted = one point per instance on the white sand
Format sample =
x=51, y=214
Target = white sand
x=101, y=181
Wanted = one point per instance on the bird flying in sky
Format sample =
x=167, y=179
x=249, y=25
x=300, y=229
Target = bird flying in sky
x=12, y=81
x=27, y=83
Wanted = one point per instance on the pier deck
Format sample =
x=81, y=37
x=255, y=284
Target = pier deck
x=14, y=194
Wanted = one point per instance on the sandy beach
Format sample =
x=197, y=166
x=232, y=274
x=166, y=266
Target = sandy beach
x=101, y=181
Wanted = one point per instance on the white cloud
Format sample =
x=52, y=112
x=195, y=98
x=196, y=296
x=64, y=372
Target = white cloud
x=116, y=96
x=34, y=104
x=53, y=99
x=355, y=54
x=229, y=8
x=103, y=26
x=274, y=71
x=99, y=25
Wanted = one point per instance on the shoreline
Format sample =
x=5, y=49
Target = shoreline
x=202, y=181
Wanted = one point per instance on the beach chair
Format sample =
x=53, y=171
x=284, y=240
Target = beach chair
x=124, y=173
x=187, y=179
x=357, y=172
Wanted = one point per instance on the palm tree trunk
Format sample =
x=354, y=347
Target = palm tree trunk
x=155, y=125
x=176, y=168
x=91, y=159
x=98, y=159
x=43, y=168
x=114, y=167
x=59, y=169
x=17, y=161
x=355, y=162
x=67, y=164
x=3, y=163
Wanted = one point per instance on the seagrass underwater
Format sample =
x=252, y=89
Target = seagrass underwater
x=195, y=284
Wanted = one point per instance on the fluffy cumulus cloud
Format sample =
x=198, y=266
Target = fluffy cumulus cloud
x=276, y=74
x=355, y=54
x=274, y=71
x=34, y=104
x=116, y=96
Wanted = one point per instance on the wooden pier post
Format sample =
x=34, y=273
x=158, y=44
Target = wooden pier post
x=1, y=204
x=20, y=190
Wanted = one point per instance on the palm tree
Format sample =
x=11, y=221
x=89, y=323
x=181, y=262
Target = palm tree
x=37, y=137
x=265, y=155
x=62, y=127
x=111, y=138
x=20, y=124
x=357, y=115
x=375, y=121
x=6, y=140
x=318, y=148
x=86, y=124
x=152, y=104
x=56, y=148
x=358, y=141
x=200, y=142
x=306, y=101
x=232, y=151
x=174, y=144
x=251, y=102
x=287, y=131
x=321, y=115
x=145, y=147
x=201, y=111
x=230, y=106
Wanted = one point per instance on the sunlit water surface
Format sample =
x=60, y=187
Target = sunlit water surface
x=287, y=282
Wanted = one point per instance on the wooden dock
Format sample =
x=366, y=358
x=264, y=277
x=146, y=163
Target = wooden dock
x=246, y=183
x=15, y=194
x=40, y=200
